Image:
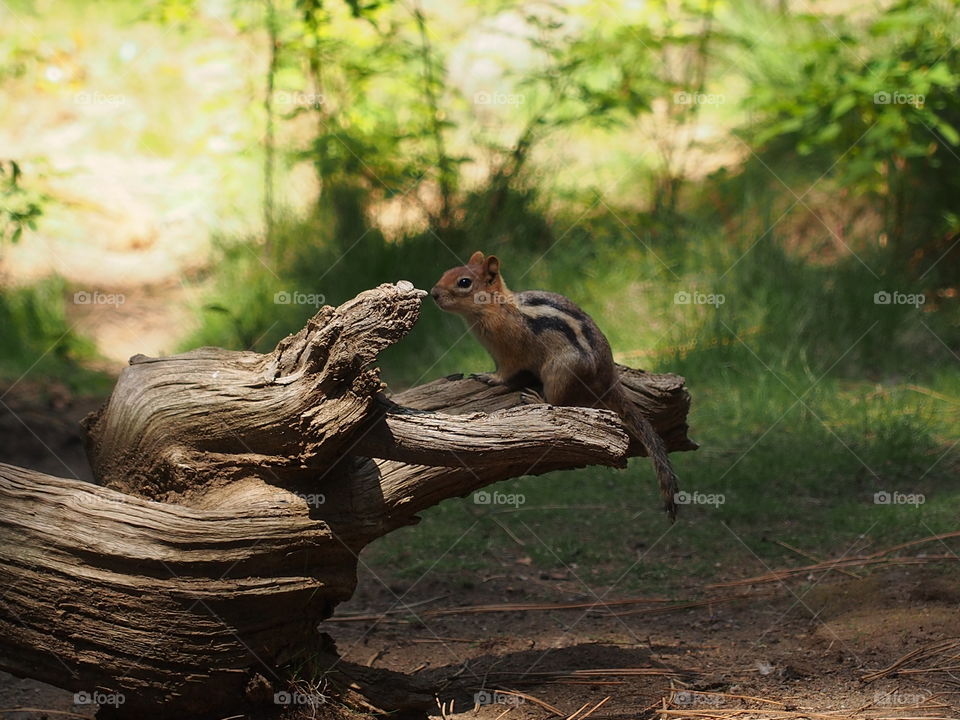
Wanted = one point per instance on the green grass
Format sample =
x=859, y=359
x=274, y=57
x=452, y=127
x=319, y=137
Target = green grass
x=804, y=474
x=801, y=420
x=36, y=340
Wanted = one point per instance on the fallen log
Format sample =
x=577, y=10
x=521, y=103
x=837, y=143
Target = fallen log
x=236, y=491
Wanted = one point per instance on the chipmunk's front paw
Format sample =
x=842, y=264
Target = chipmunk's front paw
x=485, y=378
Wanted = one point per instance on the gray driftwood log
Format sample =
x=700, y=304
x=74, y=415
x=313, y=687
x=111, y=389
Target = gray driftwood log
x=238, y=489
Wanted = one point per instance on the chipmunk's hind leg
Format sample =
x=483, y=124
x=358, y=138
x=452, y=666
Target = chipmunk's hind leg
x=568, y=380
x=525, y=380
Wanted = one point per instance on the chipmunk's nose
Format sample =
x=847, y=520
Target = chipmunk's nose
x=435, y=293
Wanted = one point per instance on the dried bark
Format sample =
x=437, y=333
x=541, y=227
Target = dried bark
x=238, y=489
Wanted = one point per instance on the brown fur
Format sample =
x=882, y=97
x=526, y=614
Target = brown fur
x=547, y=336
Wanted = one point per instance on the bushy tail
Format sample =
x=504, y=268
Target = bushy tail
x=643, y=431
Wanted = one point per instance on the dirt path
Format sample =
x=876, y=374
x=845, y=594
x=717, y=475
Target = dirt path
x=796, y=650
x=127, y=294
x=136, y=135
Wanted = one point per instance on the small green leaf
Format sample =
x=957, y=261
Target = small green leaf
x=949, y=132
x=843, y=105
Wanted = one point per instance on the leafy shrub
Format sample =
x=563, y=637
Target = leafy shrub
x=875, y=106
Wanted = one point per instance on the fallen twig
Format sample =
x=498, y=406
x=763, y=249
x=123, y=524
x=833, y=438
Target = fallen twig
x=528, y=607
x=684, y=605
x=594, y=708
x=826, y=566
x=926, y=652
x=812, y=557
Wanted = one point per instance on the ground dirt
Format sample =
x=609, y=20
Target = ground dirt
x=802, y=647
x=796, y=650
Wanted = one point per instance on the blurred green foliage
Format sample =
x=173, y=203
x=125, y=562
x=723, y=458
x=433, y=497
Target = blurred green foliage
x=875, y=103
x=37, y=339
x=20, y=207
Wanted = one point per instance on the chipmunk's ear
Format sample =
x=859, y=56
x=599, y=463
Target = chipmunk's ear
x=491, y=268
x=476, y=258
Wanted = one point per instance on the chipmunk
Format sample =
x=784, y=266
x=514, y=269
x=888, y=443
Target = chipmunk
x=545, y=338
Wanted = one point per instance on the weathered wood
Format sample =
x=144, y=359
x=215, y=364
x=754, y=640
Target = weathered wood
x=240, y=489
x=478, y=438
x=176, y=425
x=111, y=593
x=663, y=398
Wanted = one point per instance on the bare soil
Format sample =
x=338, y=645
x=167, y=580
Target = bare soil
x=801, y=648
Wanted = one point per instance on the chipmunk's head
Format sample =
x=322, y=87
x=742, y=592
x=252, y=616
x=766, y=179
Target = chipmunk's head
x=472, y=288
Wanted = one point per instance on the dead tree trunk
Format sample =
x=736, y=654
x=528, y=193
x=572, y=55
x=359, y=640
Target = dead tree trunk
x=238, y=490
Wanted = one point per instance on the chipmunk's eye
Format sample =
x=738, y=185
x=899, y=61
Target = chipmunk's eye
x=464, y=282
